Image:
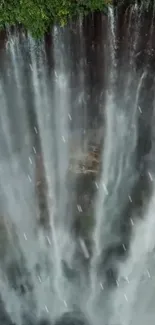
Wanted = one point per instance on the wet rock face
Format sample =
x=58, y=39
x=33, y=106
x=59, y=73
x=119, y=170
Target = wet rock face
x=44, y=322
x=71, y=318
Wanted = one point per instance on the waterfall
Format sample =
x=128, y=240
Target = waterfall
x=77, y=229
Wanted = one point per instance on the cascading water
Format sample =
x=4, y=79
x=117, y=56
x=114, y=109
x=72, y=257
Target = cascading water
x=49, y=265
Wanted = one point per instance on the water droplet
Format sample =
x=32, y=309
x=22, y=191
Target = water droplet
x=63, y=139
x=125, y=296
x=25, y=236
x=132, y=223
x=84, y=248
x=130, y=199
x=70, y=117
x=34, y=149
x=46, y=309
x=105, y=189
x=29, y=178
x=39, y=278
x=150, y=176
x=56, y=74
x=117, y=283
x=96, y=185
x=31, y=67
x=140, y=109
x=30, y=160
x=65, y=303
x=124, y=247
x=48, y=240
x=126, y=278
x=79, y=208
x=101, y=285
x=35, y=129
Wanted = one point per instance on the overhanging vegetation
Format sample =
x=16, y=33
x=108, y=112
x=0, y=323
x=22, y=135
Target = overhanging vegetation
x=38, y=15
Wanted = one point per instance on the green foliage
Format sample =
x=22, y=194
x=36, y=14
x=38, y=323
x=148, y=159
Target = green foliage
x=38, y=15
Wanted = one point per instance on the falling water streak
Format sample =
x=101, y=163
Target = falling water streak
x=128, y=13
x=11, y=300
x=108, y=176
x=131, y=12
x=67, y=243
x=5, y=121
x=61, y=235
x=139, y=87
x=110, y=157
x=150, y=41
x=110, y=150
x=112, y=38
x=16, y=166
x=82, y=89
x=142, y=245
x=41, y=100
x=135, y=13
x=12, y=179
x=15, y=55
x=62, y=110
x=101, y=193
x=146, y=4
x=112, y=51
x=124, y=298
x=138, y=13
x=152, y=165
